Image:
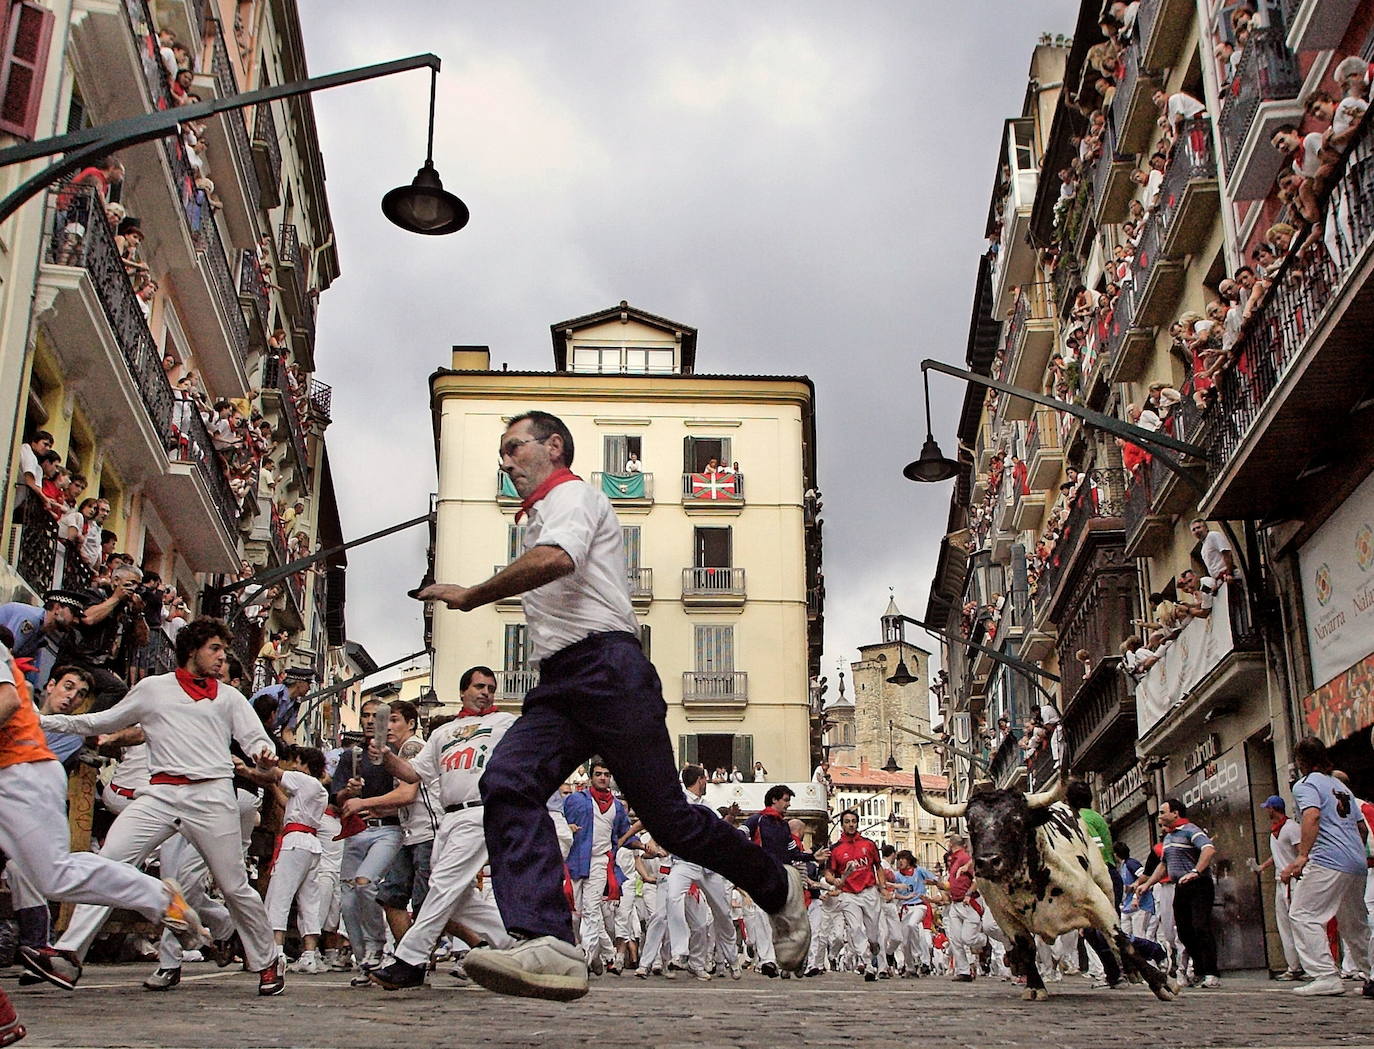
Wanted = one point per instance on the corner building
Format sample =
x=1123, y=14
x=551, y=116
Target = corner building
x=724, y=569
x=1090, y=293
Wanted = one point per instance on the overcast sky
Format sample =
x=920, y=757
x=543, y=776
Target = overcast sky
x=805, y=183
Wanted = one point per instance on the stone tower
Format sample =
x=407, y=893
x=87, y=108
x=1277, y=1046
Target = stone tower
x=839, y=733
x=877, y=701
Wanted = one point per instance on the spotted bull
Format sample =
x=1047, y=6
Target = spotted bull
x=1043, y=875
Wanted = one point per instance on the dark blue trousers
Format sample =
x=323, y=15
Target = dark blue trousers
x=599, y=697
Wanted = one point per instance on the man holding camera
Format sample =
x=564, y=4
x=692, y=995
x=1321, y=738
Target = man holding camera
x=100, y=635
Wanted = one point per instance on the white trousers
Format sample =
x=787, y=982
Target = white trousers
x=33, y=834
x=632, y=912
x=861, y=914
x=656, y=930
x=760, y=932
x=331, y=893
x=890, y=927
x=460, y=853
x=295, y=877
x=815, y=915
x=207, y=814
x=588, y=896
x=964, y=927
x=716, y=892
x=831, y=926
x=1318, y=896
x=1283, y=902
x=179, y=858
x=916, y=937
x=1140, y=923
x=1166, y=930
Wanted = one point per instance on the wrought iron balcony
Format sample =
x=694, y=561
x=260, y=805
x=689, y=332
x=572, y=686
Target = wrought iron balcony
x=715, y=687
x=253, y=291
x=1301, y=361
x=321, y=398
x=1030, y=341
x=45, y=561
x=625, y=488
x=1097, y=506
x=210, y=248
x=712, y=491
x=1111, y=179
x=226, y=82
x=1158, y=276
x=290, y=257
x=1268, y=73
x=1101, y=719
x=1132, y=111
x=294, y=407
x=1044, y=452
x=267, y=155
x=179, y=427
x=1128, y=342
x=1188, y=195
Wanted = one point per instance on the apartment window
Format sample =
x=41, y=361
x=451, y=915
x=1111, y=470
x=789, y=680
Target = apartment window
x=515, y=542
x=616, y=452
x=715, y=649
x=644, y=640
x=28, y=31
x=629, y=534
x=712, y=547
x=638, y=360
x=716, y=750
x=698, y=451
x=517, y=647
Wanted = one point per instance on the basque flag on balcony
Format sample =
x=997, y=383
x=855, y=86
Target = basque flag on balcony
x=713, y=486
x=622, y=486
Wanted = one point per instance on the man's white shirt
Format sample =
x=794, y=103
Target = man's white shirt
x=456, y=755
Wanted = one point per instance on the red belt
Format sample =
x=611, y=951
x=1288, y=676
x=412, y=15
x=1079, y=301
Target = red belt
x=172, y=779
x=288, y=828
x=123, y=792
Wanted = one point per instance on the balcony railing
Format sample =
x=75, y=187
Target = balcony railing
x=195, y=207
x=211, y=250
x=158, y=655
x=1122, y=320
x=44, y=560
x=1032, y=304
x=513, y=684
x=713, y=581
x=628, y=487
x=715, y=686
x=1101, y=495
x=1103, y=711
x=641, y=583
x=1192, y=159
x=712, y=488
x=281, y=546
x=179, y=425
x=321, y=398
x=1268, y=71
x=253, y=289
x=275, y=377
x=289, y=254
x=222, y=67
x=267, y=154
x=1297, y=304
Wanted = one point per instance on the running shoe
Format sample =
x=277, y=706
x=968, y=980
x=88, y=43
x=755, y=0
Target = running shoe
x=59, y=968
x=162, y=979
x=544, y=967
x=398, y=975
x=272, y=980
x=181, y=918
x=11, y=1030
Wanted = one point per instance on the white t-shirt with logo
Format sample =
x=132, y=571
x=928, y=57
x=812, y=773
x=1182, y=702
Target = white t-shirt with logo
x=457, y=755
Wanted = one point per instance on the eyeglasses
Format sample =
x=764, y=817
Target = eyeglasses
x=509, y=449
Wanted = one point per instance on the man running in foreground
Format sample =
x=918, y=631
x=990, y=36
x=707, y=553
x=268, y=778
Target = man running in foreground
x=597, y=693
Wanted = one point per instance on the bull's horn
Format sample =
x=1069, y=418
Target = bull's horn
x=936, y=807
x=1045, y=798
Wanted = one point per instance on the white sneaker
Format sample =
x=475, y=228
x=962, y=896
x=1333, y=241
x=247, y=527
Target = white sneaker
x=735, y=973
x=1211, y=982
x=544, y=967
x=336, y=961
x=371, y=960
x=310, y=964
x=1324, y=985
x=791, y=925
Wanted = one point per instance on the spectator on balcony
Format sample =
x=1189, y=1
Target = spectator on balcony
x=272, y=656
x=1175, y=109
x=1125, y=15
x=166, y=42
x=1228, y=61
x=31, y=472
x=73, y=528
x=1344, y=116
x=147, y=291
x=1195, y=594
x=732, y=470
x=1252, y=292
x=1162, y=400
x=1352, y=77
x=632, y=464
x=1217, y=554
x=1305, y=152
x=55, y=479
x=1266, y=258
x=74, y=205
x=1281, y=235
x=1136, y=659
x=222, y=428
x=180, y=86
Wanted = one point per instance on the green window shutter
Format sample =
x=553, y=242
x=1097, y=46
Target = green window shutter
x=687, y=749
x=742, y=755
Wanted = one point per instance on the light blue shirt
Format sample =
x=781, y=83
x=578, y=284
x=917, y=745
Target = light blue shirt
x=1339, y=846
x=912, y=886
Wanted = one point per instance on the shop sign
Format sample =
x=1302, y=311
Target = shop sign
x=1337, y=566
x=1124, y=789
x=1207, y=750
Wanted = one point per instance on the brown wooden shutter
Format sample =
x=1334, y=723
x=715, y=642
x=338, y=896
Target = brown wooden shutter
x=28, y=32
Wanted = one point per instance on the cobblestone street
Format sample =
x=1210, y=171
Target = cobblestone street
x=213, y=1009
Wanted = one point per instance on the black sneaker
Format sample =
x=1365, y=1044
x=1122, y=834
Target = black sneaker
x=1368, y=990
x=272, y=980
x=769, y=969
x=59, y=968
x=398, y=975
x=221, y=952
x=163, y=979
x=815, y=971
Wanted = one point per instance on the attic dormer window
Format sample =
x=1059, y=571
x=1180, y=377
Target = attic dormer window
x=628, y=360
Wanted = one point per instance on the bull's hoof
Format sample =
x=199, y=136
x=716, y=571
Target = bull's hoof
x=1035, y=994
x=1167, y=991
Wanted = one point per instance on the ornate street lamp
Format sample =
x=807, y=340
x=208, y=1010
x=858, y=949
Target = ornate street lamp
x=891, y=765
x=931, y=465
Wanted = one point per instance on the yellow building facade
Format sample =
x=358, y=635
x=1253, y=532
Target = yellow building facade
x=723, y=568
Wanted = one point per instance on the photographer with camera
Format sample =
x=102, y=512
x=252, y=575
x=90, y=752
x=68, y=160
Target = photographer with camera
x=101, y=636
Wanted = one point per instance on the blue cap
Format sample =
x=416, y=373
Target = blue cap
x=1274, y=802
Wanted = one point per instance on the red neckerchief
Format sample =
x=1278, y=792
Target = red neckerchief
x=560, y=476
x=1274, y=830
x=477, y=713
x=604, y=798
x=24, y=664
x=197, y=687
x=771, y=813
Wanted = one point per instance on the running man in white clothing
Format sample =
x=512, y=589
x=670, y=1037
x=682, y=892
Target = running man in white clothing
x=189, y=718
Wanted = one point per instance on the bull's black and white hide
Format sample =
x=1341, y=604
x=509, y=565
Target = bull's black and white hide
x=1043, y=875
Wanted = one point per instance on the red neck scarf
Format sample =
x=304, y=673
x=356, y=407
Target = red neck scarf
x=477, y=713
x=197, y=687
x=560, y=476
x=604, y=798
x=771, y=813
